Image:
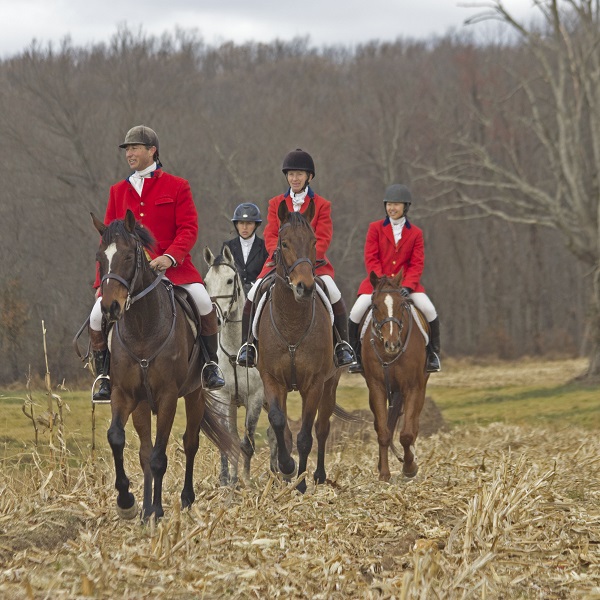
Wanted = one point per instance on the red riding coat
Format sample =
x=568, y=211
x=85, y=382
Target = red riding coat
x=321, y=223
x=385, y=257
x=167, y=209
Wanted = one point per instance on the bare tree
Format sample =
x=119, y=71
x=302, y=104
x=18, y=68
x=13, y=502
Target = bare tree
x=538, y=158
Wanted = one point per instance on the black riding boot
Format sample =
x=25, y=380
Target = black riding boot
x=433, y=349
x=247, y=354
x=211, y=375
x=354, y=336
x=101, y=364
x=344, y=353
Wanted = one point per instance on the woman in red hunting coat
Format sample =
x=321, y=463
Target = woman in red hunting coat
x=163, y=204
x=299, y=170
x=395, y=244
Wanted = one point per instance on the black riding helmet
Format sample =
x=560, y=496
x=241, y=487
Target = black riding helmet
x=298, y=160
x=247, y=212
x=398, y=193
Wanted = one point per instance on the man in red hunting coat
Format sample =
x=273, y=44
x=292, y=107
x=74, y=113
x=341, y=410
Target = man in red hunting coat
x=162, y=203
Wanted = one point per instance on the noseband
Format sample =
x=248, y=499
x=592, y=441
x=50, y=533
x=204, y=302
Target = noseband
x=130, y=286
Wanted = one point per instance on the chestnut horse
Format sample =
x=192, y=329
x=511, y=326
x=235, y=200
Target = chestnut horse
x=155, y=359
x=296, y=346
x=393, y=357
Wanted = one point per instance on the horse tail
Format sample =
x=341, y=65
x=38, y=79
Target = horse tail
x=395, y=411
x=216, y=432
x=345, y=416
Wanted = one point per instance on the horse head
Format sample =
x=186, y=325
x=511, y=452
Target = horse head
x=297, y=250
x=387, y=304
x=223, y=281
x=122, y=262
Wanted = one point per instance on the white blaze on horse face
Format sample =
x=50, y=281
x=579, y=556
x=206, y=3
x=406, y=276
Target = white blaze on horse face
x=110, y=251
x=389, y=302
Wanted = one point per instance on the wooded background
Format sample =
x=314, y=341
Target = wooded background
x=498, y=139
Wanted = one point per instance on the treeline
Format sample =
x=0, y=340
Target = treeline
x=226, y=116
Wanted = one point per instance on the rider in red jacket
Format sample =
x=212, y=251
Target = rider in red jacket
x=299, y=170
x=393, y=244
x=162, y=203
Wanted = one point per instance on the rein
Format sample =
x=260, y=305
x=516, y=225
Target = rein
x=376, y=327
x=130, y=286
x=292, y=348
x=233, y=298
x=144, y=363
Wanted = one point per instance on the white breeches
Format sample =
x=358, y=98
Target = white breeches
x=332, y=289
x=421, y=301
x=196, y=290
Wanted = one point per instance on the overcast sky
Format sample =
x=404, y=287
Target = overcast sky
x=325, y=22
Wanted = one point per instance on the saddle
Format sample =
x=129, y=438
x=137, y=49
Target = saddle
x=184, y=299
x=263, y=294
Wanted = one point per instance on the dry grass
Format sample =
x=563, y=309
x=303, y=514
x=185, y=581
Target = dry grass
x=495, y=512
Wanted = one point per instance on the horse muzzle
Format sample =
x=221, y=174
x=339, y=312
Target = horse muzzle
x=302, y=291
x=113, y=312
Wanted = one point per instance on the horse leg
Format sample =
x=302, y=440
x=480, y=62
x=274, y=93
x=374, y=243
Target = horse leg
x=194, y=412
x=304, y=441
x=158, y=461
x=378, y=404
x=322, y=426
x=227, y=410
x=276, y=396
x=253, y=408
x=121, y=409
x=272, y=449
x=413, y=404
x=142, y=421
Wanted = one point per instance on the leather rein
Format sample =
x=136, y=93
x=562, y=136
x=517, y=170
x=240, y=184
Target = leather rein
x=144, y=363
x=376, y=333
x=287, y=270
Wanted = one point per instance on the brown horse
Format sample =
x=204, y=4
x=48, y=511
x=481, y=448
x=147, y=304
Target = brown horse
x=155, y=359
x=394, y=356
x=296, y=346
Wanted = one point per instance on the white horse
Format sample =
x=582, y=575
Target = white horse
x=243, y=387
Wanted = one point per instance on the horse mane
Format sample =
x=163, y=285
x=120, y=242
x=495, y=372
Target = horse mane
x=141, y=233
x=297, y=219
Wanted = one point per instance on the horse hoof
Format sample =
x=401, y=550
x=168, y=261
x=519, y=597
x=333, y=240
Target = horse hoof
x=410, y=472
x=128, y=513
x=291, y=474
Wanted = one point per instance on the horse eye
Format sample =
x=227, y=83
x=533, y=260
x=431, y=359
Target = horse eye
x=229, y=281
x=284, y=244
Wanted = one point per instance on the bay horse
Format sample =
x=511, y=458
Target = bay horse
x=296, y=346
x=155, y=359
x=394, y=357
x=243, y=386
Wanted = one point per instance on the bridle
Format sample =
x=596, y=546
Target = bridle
x=233, y=297
x=376, y=327
x=130, y=286
x=287, y=271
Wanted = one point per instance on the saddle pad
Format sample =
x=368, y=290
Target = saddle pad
x=263, y=300
x=416, y=316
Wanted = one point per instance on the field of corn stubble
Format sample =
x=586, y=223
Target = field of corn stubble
x=496, y=511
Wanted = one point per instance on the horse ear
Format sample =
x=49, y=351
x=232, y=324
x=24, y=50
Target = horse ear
x=227, y=254
x=209, y=257
x=309, y=214
x=283, y=212
x=130, y=221
x=98, y=224
x=397, y=280
x=373, y=279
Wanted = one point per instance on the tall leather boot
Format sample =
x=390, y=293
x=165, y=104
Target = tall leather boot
x=247, y=353
x=354, y=335
x=344, y=353
x=433, y=348
x=101, y=364
x=211, y=374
